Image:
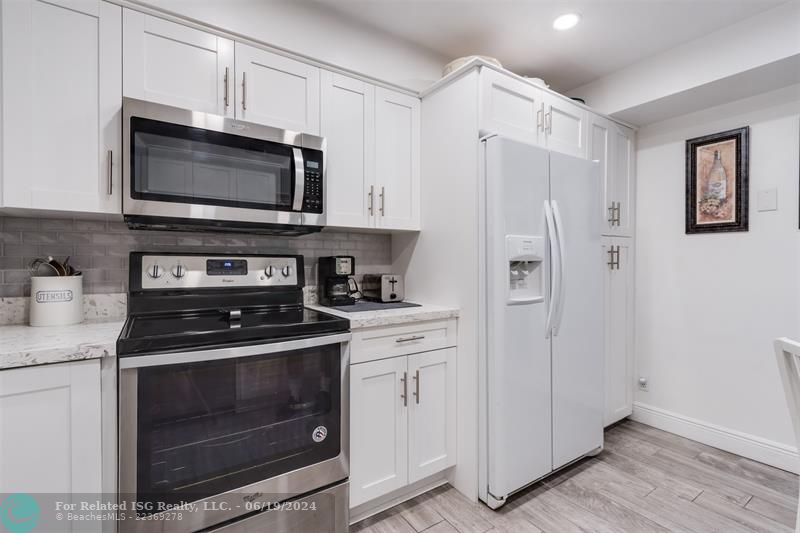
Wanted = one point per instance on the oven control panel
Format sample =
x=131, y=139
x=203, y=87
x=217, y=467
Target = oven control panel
x=195, y=271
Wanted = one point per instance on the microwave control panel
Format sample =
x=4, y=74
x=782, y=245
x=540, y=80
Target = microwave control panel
x=313, y=194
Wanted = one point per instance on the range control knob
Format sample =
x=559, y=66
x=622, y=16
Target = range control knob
x=269, y=271
x=178, y=271
x=286, y=271
x=155, y=271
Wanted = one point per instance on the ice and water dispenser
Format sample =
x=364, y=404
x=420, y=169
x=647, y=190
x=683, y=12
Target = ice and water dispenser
x=525, y=259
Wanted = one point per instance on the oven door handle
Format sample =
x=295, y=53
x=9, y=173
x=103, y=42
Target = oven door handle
x=140, y=361
x=299, y=179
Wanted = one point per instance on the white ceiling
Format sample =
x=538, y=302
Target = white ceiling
x=612, y=33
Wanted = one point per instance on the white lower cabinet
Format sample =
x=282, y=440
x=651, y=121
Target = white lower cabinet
x=50, y=431
x=432, y=417
x=619, y=322
x=378, y=429
x=402, y=421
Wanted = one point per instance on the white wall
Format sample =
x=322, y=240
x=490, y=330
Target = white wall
x=709, y=306
x=308, y=28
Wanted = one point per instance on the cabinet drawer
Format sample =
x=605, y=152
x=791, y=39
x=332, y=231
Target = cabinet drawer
x=390, y=341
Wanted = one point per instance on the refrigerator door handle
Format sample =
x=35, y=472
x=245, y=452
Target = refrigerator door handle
x=555, y=267
x=562, y=261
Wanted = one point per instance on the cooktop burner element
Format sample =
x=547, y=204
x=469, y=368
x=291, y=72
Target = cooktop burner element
x=179, y=301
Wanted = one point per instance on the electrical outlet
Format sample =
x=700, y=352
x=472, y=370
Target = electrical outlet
x=643, y=384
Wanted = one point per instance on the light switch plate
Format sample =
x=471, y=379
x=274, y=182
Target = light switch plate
x=768, y=200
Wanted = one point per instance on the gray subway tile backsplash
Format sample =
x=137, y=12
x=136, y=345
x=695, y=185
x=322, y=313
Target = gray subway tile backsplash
x=100, y=248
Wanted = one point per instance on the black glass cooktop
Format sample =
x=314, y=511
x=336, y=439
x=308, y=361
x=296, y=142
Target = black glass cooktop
x=156, y=332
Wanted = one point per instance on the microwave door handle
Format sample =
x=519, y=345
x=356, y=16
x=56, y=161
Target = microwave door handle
x=299, y=179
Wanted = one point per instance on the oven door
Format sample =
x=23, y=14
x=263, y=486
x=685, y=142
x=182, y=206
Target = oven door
x=180, y=165
x=225, y=429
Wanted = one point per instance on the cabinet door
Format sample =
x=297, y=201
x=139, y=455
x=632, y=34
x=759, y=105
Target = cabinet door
x=61, y=105
x=566, y=126
x=600, y=150
x=622, y=175
x=510, y=107
x=348, y=125
x=378, y=428
x=397, y=160
x=176, y=65
x=618, y=293
x=432, y=417
x=276, y=91
x=50, y=438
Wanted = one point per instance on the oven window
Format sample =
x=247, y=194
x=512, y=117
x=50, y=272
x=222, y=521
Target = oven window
x=174, y=163
x=206, y=428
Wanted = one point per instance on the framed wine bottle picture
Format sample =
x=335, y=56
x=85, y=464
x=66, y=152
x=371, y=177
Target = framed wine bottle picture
x=717, y=182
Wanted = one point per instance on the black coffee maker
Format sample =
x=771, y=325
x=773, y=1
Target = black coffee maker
x=334, y=279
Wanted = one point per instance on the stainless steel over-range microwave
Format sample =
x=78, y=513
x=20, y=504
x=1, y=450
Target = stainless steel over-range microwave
x=188, y=170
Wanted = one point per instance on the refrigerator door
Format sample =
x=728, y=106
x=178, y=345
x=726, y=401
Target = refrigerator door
x=577, y=362
x=518, y=438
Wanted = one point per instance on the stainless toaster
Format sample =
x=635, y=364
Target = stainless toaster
x=383, y=287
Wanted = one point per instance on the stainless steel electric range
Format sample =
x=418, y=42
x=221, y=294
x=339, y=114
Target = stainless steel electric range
x=233, y=398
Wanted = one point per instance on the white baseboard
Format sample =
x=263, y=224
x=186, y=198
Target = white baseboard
x=750, y=446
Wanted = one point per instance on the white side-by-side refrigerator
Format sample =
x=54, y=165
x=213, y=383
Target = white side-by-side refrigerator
x=541, y=350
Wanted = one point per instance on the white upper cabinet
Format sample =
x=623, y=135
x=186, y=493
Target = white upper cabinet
x=599, y=150
x=565, y=126
x=176, y=65
x=619, y=322
x=61, y=104
x=276, y=91
x=510, y=107
x=397, y=194
x=621, y=174
x=348, y=125
x=612, y=145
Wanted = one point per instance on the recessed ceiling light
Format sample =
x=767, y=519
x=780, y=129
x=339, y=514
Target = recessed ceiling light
x=566, y=21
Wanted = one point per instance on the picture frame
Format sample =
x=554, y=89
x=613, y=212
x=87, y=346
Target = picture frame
x=717, y=182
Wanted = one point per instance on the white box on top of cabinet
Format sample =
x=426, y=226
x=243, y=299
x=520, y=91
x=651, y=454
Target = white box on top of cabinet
x=402, y=407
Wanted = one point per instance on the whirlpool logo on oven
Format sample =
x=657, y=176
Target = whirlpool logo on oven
x=319, y=433
x=50, y=297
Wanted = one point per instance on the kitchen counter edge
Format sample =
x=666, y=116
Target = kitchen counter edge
x=23, y=346
x=391, y=317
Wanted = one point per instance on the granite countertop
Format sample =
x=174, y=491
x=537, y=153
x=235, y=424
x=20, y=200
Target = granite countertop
x=390, y=317
x=28, y=346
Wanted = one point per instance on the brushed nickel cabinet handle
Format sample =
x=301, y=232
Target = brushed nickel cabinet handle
x=539, y=114
x=371, y=196
x=409, y=339
x=548, y=120
x=244, y=91
x=383, y=201
x=225, y=92
x=416, y=386
x=404, y=396
x=110, y=165
x=611, y=214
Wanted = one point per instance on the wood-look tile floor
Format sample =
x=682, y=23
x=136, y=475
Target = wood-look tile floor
x=646, y=480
